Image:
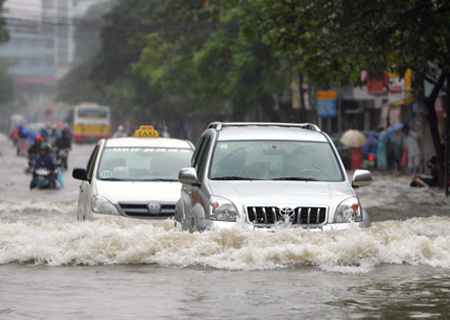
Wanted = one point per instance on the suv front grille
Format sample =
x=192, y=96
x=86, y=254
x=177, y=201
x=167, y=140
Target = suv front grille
x=141, y=210
x=298, y=215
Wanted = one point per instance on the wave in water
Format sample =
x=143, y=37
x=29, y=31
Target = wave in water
x=419, y=241
x=32, y=211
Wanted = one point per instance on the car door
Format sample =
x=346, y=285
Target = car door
x=87, y=186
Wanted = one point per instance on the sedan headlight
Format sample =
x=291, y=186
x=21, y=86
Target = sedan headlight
x=103, y=206
x=222, y=209
x=348, y=211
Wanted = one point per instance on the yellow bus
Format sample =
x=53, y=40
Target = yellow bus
x=91, y=123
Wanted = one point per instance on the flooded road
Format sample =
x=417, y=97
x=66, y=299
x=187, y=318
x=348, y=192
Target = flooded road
x=53, y=267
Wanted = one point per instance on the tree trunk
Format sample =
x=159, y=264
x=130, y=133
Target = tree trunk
x=433, y=124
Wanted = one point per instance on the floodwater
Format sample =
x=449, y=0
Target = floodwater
x=53, y=267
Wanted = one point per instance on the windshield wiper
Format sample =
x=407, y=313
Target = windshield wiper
x=233, y=178
x=296, y=178
x=112, y=179
x=158, y=179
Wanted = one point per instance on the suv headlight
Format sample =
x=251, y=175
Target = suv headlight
x=348, y=211
x=222, y=209
x=103, y=206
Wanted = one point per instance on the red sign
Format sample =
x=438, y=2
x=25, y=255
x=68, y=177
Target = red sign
x=374, y=86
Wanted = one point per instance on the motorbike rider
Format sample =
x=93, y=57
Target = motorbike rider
x=63, y=143
x=53, y=134
x=44, y=160
x=33, y=150
x=120, y=132
x=22, y=144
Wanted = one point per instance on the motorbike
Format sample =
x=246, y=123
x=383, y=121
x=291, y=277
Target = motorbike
x=369, y=162
x=61, y=157
x=42, y=179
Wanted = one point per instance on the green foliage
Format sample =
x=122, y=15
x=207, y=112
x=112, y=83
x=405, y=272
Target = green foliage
x=123, y=27
x=335, y=40
x=216, y=63
x=87, y=33
x=102, y=75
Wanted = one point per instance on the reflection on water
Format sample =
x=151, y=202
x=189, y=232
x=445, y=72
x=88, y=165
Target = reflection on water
x=416, y=297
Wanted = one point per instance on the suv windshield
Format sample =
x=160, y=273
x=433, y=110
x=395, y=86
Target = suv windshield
x=143, y=164
x=275, y=160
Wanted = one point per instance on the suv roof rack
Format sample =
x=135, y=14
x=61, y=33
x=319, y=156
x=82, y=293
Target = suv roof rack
x=219, y=125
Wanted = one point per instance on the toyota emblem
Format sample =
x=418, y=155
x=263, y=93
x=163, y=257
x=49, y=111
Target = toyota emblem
x=154, y=206
x=288, y=214
x=287, y=211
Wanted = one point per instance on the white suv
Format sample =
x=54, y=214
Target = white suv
x=268, y=175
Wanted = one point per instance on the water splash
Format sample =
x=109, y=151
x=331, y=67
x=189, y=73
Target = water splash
x=418, y=241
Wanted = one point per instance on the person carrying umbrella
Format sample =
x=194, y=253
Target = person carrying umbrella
x=355, y=140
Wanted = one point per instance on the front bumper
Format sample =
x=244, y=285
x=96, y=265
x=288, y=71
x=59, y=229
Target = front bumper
x=205, y=224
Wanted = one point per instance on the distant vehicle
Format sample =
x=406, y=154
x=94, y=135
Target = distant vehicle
x=133, y=177
x=268, y=175
x=91, y=123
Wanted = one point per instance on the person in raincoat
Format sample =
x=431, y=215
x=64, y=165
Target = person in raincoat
x=53, y=134
x=371, y=146
x=411, y=143
x=388, y=153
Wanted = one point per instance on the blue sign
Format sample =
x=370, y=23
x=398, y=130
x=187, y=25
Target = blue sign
x=327, y=108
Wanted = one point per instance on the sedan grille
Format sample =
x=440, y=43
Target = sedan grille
x=141, y=210
x=299, y=215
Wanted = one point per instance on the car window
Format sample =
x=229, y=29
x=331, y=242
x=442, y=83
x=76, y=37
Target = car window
x=203, y=156
x=275, y=160
x=91, y=162
x=197, y=152
x=142, y=164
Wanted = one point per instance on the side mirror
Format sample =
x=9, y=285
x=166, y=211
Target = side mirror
x=361, y=178
x=188, y=176
x=80, y=174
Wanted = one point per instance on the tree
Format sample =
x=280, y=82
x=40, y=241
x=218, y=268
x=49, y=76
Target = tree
x=213, y=63
x=87, y=31
x=335, y=40
x=123, y=94
x=75, y=86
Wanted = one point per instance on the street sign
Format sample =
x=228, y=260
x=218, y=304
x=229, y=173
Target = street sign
x=326, y=104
